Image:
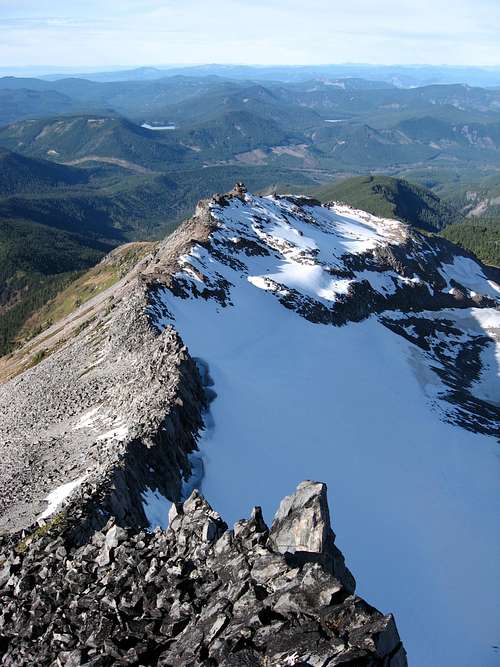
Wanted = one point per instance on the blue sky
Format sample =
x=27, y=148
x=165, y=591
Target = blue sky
x=132, y=32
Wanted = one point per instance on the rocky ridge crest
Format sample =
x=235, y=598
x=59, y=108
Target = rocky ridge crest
x=109, y=404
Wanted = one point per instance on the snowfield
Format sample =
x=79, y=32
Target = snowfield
x=415, y=498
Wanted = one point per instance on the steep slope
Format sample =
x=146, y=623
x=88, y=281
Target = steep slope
x=481, y=236
x=22, y=174
x=35, y=263
x=393, y=198
x=70, y=138
x=312, y=342
x=103, y=367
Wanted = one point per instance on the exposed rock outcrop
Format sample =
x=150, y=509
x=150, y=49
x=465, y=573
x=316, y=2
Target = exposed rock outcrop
x=195, y=595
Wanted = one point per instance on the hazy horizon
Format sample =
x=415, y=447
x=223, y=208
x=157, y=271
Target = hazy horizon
x=401, y=74
x=116, y=67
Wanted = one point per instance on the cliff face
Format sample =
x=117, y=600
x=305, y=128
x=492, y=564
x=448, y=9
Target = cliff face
x=195, y=595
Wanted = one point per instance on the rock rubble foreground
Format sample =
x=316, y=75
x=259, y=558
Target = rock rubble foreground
x=194, y=595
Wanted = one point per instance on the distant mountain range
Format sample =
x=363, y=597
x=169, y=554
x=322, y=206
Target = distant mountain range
x=346, y=124
x=399, y=75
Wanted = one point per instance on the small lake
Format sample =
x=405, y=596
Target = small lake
x=158, y=127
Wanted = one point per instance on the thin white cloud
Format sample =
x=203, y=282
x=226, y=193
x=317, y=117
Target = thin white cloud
x=133, y=32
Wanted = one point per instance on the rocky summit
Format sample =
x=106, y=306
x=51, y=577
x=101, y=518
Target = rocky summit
x=267, y=340
x=196, y=594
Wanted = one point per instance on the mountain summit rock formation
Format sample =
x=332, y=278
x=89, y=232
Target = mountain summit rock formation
x=267, y=340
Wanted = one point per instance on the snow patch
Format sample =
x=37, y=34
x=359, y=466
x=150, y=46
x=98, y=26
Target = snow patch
x=382, y=282
x=469, y=273
x=156, y=508
x=312, y=280
x=88, y=419
x=487, y=388
x=56, y=497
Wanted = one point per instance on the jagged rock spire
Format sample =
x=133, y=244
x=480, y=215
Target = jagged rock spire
x=302, y=527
